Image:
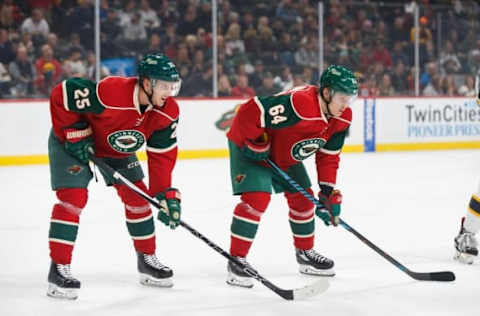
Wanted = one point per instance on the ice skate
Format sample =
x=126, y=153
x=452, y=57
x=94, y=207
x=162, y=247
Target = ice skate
x=237, y=277
x=152, y=272
x=61, y=283
x=466, y=246
x=312, y=263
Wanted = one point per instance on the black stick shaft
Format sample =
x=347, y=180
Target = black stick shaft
x=434, y=276
x=286, y=294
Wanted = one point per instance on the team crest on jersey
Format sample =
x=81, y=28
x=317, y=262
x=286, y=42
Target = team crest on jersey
x=305, y=148
x=74, y=170
x=126, y=141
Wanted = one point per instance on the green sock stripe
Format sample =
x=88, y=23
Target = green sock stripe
x=304, y=228
x=243, y=228
x=140, y=229
x=63, y=231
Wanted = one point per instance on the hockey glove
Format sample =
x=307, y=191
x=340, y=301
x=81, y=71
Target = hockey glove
x=171, y=209
x=78, y=142
x=331, y=212
x=257, y=149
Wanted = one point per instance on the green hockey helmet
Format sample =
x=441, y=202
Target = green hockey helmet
x=161, y=72
x=157, y=66
x=339, y=79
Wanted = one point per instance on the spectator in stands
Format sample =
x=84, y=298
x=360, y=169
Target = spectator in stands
x=134, y=30
x=10, y=15
x=434, y=87
x=48, y=71
x=386, y=88
x=286, y=11
x=26, y=40
x=22, y=72
x=74, y=44
x=36, y=25
x=307, y=55
x=381, y=54
x=449, y=60
x=234, y=45
x=285, y=79
x=399, y=78
x=91, y=68
x=189, y=23
x=224, y=87
x=399, y=55
x=7, y=53
x=400, y=32
x=309, y=75
x=155, y=44
x=268, y=87
x=256, y=77
x=468, y=88
x=110, y=26
x=242, y=89
x=5, y=81
x=149, y=17
x=74, y=65
x=81, y=21
x=449, y=88
x=424, y=33
x=430, y=71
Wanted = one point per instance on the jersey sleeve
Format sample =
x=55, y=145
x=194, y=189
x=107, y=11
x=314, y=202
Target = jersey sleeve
x=162, y=155
x=249, y=122
x=69, y=101
x=327, y=159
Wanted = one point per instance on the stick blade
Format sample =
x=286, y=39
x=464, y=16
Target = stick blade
x=310, y=290
x=443, y=276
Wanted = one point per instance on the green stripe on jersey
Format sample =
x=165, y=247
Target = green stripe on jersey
x=63, y=231
x=336, y=141
x=303, y=229
x=140, y=229
x=243, y=229
x=164, y=138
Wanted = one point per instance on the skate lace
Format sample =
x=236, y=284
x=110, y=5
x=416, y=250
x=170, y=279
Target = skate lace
x=64, y=270
x=312, y=254
x=152, y=261
x=467, y=241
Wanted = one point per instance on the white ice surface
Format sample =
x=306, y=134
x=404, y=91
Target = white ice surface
x=408, y=204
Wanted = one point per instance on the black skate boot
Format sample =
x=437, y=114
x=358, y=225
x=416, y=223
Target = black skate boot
x=61, y=283
x=313, y=263
x=152, y=272
x=465, y=245
x=237, y=277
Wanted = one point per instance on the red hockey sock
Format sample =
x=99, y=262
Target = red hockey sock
x=139, y=218
x=301, y=218
x=64, y=223
x=246, y=218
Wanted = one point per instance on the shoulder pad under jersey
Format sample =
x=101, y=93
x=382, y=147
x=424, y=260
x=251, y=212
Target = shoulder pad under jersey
x=118, y=92
x=170, y=109
x=305, y=103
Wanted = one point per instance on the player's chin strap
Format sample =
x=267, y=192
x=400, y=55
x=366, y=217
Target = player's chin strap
x=327, y=103
x=149, y=96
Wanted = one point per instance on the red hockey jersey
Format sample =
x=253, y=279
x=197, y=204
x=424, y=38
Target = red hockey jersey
x=297, y=129
x=120, y=128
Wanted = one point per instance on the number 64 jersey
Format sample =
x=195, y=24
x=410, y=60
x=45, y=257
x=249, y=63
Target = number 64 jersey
x=119, y=123
x=297, y=129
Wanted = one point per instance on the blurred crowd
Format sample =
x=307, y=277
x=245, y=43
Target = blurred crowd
x=264, y=47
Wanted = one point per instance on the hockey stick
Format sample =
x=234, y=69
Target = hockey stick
x=294, y=294
x=423, y=276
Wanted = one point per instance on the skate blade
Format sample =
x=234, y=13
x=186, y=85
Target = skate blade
x=306, y=269
x=464, y=257
x=62, y=293
x=148, y=280
x=236, y=280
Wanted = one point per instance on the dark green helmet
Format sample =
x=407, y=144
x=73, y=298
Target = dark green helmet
x=157, y=66
x=339, y=79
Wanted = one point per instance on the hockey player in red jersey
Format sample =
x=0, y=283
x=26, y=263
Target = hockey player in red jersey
x=466, y=245
x=114, y=117
x=288, y=128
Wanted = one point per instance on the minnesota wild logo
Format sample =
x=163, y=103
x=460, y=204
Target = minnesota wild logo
x=126, y=141
x=239, y=178
x=305, y=148
x=74, y=170
x=225, y=122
